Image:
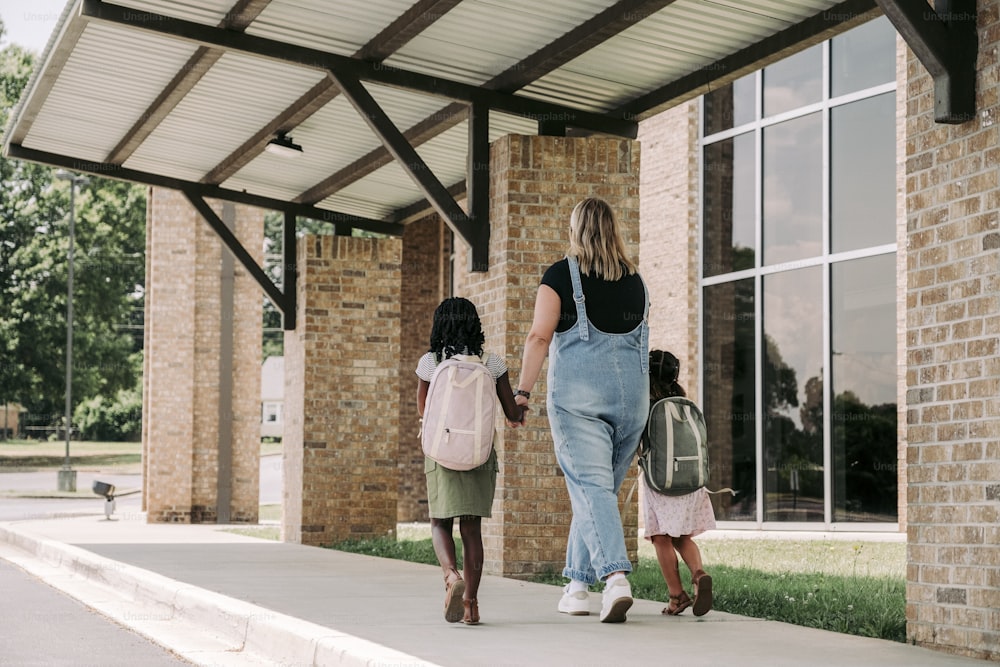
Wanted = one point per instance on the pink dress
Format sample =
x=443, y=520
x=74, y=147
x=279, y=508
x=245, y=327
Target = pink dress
x=690, y=514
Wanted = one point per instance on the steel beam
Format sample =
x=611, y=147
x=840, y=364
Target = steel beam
x=944, y=40
x=407, y=158
x=105, y=170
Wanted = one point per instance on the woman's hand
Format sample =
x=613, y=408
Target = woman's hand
x=522, y=404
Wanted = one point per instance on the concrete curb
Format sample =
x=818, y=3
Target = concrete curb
x=204, y=627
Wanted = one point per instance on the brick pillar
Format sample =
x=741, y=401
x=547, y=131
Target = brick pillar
x=953, y=362
x=342, y=392
x=185, y=313
x=669, y=250
x=535, y=183
x=424, y=277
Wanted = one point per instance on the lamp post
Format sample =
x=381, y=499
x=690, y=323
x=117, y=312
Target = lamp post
x=67, y=476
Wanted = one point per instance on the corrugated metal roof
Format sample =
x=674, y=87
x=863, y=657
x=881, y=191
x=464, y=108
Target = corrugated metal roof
x=99, y=78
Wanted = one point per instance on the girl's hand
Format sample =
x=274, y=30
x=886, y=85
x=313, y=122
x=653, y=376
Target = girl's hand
x=524, y=411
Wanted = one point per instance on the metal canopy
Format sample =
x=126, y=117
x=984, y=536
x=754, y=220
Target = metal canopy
x=394, y=102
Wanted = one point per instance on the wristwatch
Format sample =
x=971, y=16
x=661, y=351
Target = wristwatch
x=521, y=392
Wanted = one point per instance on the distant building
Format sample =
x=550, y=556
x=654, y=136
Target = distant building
x=9, y=413
x=272, y=397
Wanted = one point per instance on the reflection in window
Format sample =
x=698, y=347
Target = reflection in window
x=731, y=105
x=793, y=395
x=863, y=57
x=729, y=396
x=794, y=82
x=793, y=190
x=863, y=173
x=863, y=375
x=728, y=196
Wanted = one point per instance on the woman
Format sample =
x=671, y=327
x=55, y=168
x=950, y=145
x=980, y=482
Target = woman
x=590, y=319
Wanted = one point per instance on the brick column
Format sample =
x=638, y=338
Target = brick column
x=953, y=367
x=669, y=253
x=181, y=380
x=424, y=285
x=342, y=392
x=535, y=182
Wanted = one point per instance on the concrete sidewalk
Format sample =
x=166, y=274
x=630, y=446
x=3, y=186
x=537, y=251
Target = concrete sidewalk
x=217, y=598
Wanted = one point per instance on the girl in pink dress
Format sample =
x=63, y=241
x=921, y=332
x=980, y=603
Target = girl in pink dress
x=671, y=521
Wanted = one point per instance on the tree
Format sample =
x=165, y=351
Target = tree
x=109, y=271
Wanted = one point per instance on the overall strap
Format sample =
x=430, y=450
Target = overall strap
x=578, y=298
x=644, y=332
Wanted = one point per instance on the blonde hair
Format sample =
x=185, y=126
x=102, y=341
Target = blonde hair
x=595, y=241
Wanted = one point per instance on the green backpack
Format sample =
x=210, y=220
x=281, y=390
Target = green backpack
x=673, y=454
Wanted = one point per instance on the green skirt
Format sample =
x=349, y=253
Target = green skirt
x=452, y=493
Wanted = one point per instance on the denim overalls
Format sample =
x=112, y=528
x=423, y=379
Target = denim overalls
x=598, y=398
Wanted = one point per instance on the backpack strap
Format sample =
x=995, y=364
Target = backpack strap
x=578, y=298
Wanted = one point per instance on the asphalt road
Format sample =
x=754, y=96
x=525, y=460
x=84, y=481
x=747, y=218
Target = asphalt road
x=41, y=626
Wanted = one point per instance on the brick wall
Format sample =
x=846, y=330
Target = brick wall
x=668, y=252
x=953, y=368
x=181, y=397
x=535, y=182
x=342, y=391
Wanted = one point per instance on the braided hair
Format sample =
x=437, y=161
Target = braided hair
x=456, y=329
x=664, y=369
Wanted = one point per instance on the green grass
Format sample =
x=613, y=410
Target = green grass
x=28, y=455
x=122, y=457
x=855, y=588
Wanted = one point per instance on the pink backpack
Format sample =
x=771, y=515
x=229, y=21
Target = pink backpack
x=459, y=414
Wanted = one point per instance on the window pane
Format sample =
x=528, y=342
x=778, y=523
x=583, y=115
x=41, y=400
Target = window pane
x=863, y=173
x=794, y=82
x=793, y=190
x=793, y=395
x=863, y=374
x=728, y=228
x=863, y=57
x=729, y=399
x=731, y=105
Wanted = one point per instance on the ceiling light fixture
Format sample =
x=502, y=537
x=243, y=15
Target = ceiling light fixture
x=284, y=146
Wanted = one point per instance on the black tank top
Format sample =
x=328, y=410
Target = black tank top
x=613, y=306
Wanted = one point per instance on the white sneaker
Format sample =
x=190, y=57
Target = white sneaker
x=574, y=604
x=616, y=601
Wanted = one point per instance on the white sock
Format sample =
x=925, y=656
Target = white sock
x=613, y=577
x=577, y=586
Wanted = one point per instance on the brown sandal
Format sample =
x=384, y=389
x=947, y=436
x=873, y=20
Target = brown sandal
x=454, y=588
x=471, y=611
x=678, y=603
x=702, y=593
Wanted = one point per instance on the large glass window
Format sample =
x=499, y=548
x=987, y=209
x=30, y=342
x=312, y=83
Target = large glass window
x=792, y=395
x=863, y=173
x=863, y=379
x=794, y=82
x=731, y=106
x=798, y=286
x=730, y=398
x=729, y=172
x=862, y=58
x=793, y=189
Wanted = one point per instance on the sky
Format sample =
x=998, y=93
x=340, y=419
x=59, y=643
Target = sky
x=29, y=23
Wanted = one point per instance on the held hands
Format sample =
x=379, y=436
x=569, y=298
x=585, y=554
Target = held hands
x=522, y=404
